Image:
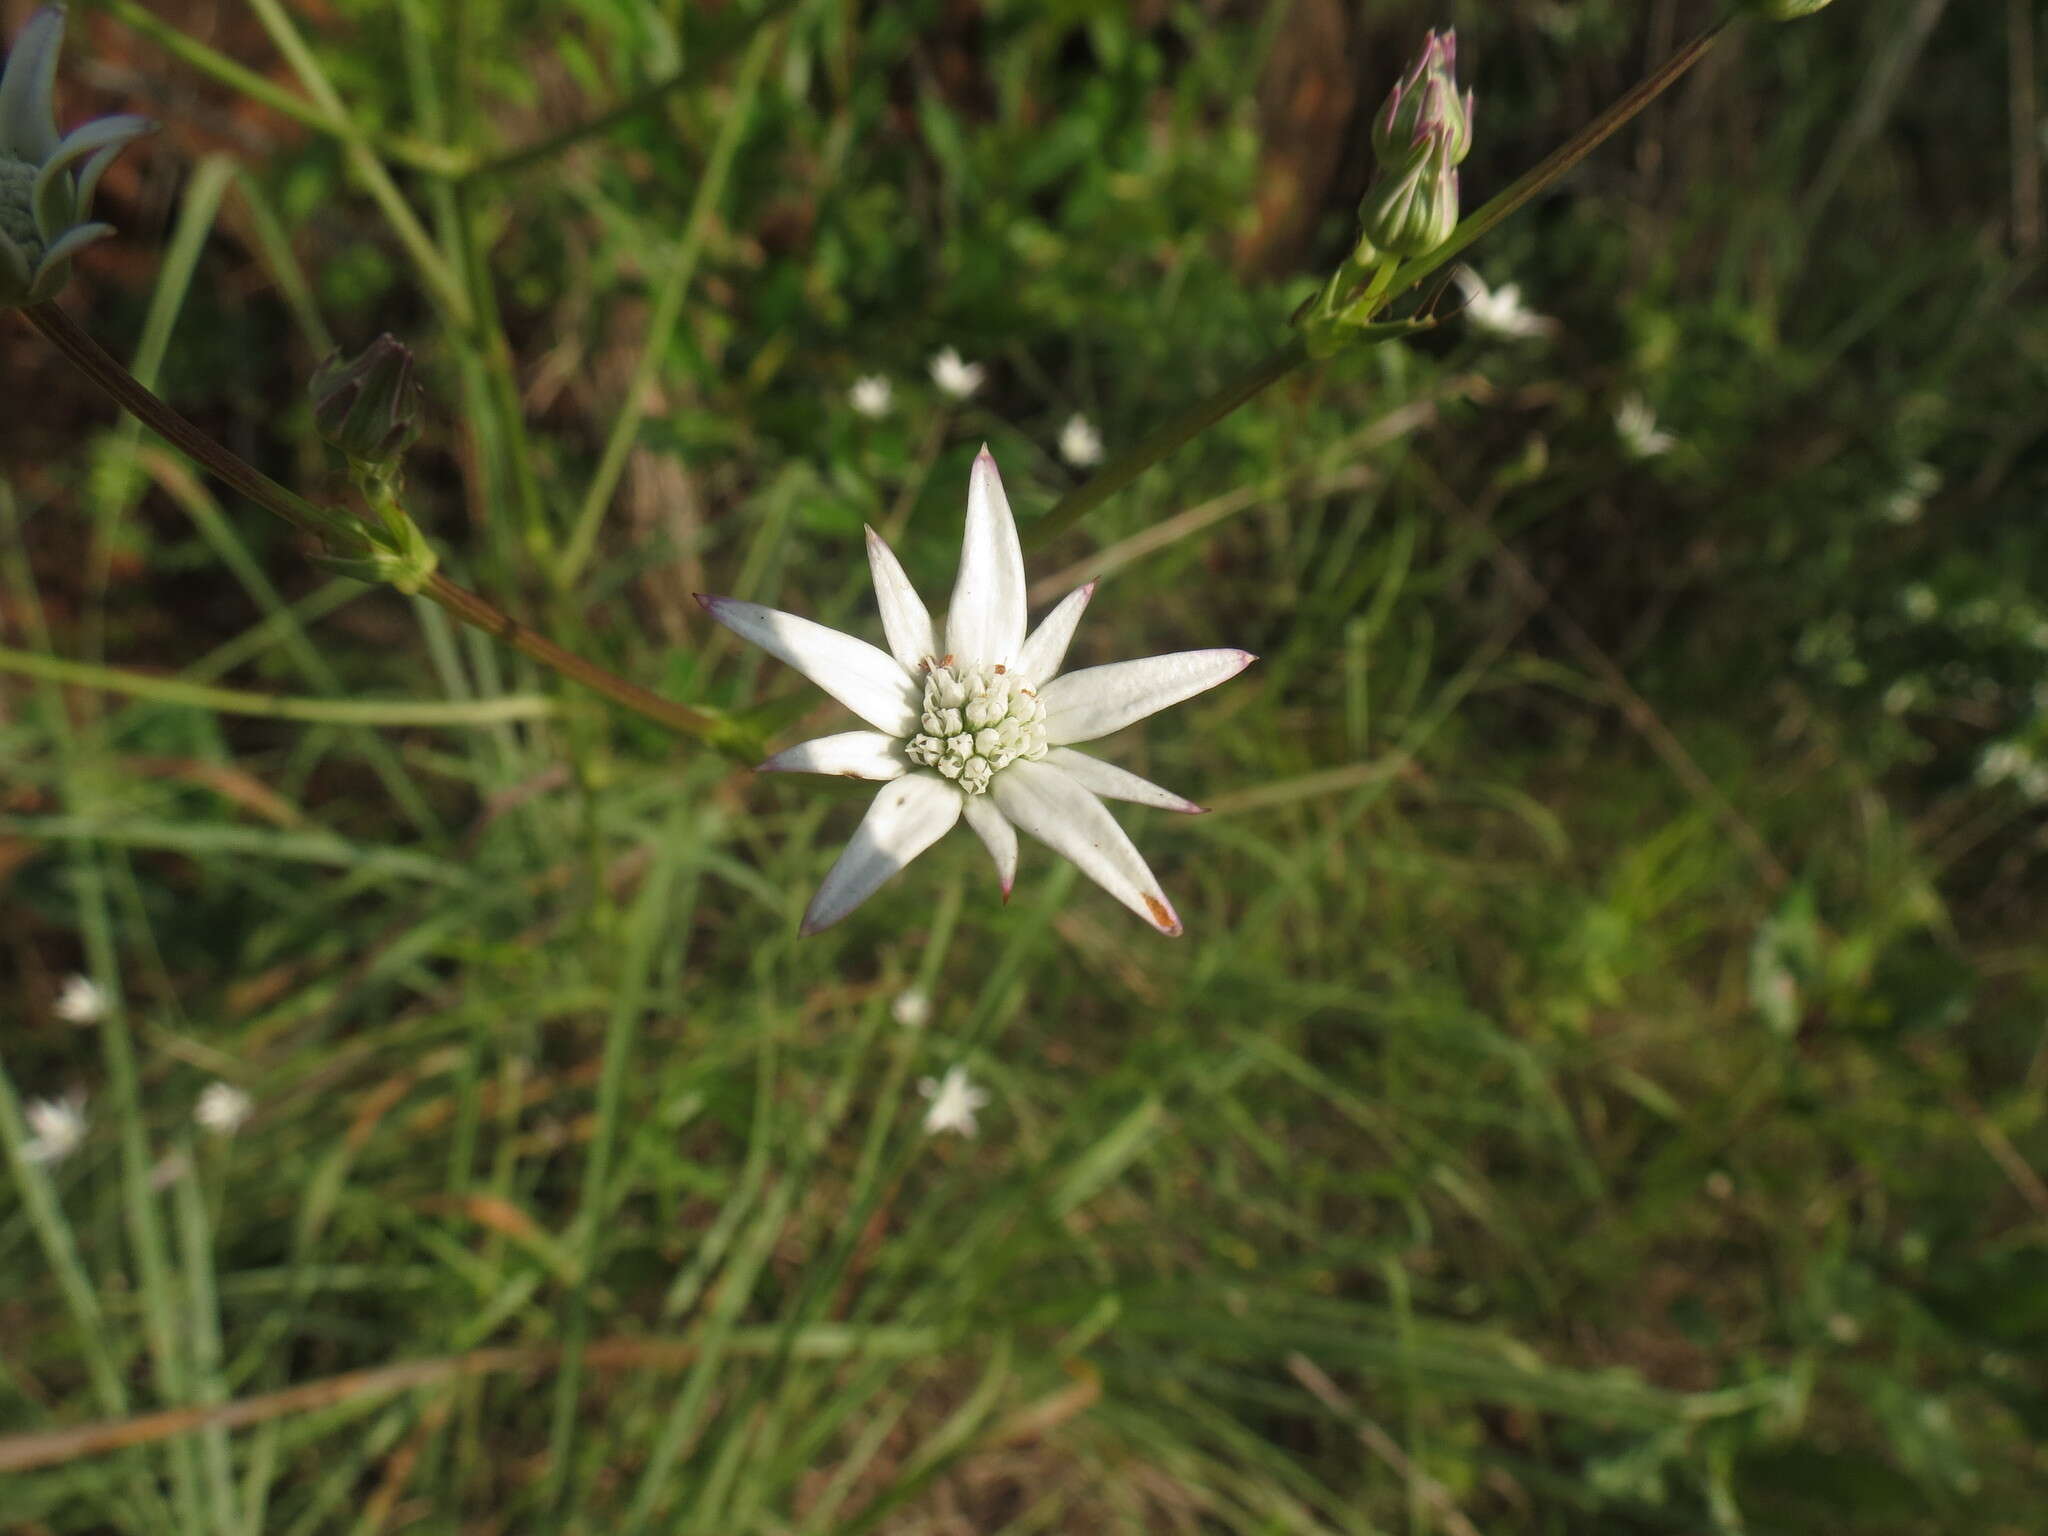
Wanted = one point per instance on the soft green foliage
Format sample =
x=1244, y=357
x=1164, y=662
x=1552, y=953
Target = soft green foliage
x=1601, y=1088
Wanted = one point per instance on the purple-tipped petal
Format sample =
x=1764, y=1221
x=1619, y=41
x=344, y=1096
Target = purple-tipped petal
x=997, y=836
x=1057, y=811
x=867, y=680
x=905, y=620
x=986, y=622
x=1040, y=659
x=1081, y=706
x=849, y=755
x=907, y=817
x=1101, y=778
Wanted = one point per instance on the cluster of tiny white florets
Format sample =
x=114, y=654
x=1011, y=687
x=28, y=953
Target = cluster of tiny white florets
x=977, y=721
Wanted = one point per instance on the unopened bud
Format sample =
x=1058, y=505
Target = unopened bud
x=1413, y=211
x=369, y=406
x=1423, y=106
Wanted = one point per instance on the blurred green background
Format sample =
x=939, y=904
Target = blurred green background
x=1602, y=1084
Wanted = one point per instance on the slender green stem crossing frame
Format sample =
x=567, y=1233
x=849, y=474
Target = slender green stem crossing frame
x=124, y=389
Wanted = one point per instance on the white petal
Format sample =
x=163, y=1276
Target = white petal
x=906, y=818
x=997, y=836
x=1057, y=811
x=986, y=621
x=1084, y=705
x=1101, y=778
x=904, y=618
x=850, y=755
x=866, y=680
x=1040, y=659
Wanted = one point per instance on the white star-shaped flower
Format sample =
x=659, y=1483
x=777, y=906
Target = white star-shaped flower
x=222, y=1107
x=870, y=395
x=982, y=726
x=955, y=377
x=1501, y=311
x=1636, y=425
x=1080, y=443
x=955, y=1102
x=911, y=1008
x=80, y=1001
x=56, y=1128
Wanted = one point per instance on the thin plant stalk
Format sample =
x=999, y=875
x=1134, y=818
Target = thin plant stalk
x=118, y=384
x=1206, y=412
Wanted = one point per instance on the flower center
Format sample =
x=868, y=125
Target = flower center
x=17, y=207
x=977, y=721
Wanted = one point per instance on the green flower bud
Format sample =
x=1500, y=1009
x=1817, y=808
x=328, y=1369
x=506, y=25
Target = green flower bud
x=46, y=206
x=1413, y=211
x=1425, y=105
x=369, y=406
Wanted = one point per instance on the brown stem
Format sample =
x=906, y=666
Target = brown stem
x=126, y=390
x=474, y=610
x=129, y=392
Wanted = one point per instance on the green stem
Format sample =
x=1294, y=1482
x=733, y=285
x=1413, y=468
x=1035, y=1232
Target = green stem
x=1162, y=440
x=668, y=307
x=125, y=390
x=236, y=701
x=363, y=159
x=542, y=149
x=416, y=153
x=1198, y=418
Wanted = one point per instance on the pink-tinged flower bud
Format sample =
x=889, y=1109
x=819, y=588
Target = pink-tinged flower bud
x=369, y=406
x=1412, y=211
x=1425, y=105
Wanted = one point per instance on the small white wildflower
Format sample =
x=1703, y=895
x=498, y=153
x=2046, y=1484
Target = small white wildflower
x=1080, y=443
x=981, y=727
x=1906, y=503
x=955, y=1102
x=2004, y=760
x=1636, y=425
x=870, y=395
x=955, y=377
x=222, y=1107
x=912, y=1008
x=1500, y=311
x=80, y=1001
x=1919, y=602
x=56, y=1127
